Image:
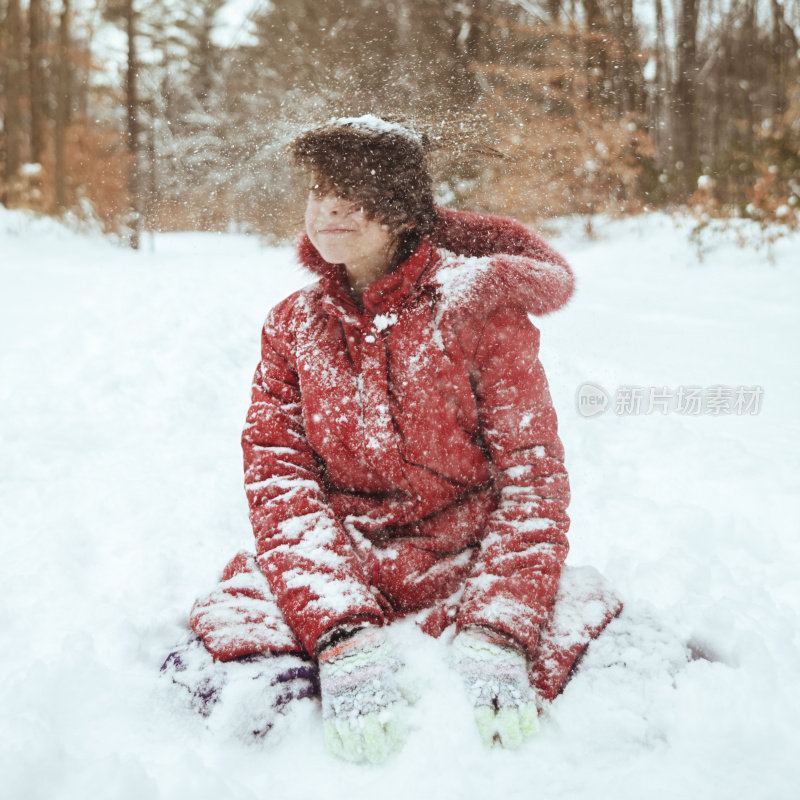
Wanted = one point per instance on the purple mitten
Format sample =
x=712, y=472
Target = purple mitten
x=247, y=695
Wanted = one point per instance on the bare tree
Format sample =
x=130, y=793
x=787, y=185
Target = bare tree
x=132, y=103
x=558, y=83
x=780, y=48
x=36, y=79
x=63, y=103
x=660, y=117
x=626, y=73
x=685, y=95
x=12, y=121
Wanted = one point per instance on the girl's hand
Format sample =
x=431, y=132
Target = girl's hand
x=495, y=676
x=362, y=705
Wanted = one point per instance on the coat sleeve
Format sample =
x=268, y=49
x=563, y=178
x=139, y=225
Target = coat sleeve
x=301, y=547
x=516, y=574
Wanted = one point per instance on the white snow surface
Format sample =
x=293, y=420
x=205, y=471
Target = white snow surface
x=125, y=381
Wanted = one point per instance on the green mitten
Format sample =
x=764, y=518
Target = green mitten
x=362, y=706
x=496, y=679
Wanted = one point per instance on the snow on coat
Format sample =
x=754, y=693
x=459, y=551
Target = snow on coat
x=404, y=456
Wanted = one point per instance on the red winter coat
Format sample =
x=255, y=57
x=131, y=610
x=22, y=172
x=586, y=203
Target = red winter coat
x=405, y=456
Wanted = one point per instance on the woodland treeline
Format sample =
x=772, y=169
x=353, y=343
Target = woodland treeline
x=594, y=106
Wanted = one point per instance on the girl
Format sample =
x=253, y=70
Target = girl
x=401, y=456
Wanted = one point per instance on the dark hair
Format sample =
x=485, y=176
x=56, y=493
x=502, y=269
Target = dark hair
x=379, y=163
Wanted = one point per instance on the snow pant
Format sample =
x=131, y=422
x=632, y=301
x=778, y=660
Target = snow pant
x=240, y=619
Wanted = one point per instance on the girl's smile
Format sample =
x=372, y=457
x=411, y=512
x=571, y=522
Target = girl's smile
x=344, y=234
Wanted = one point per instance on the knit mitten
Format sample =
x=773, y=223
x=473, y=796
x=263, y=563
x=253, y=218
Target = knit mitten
x=250, y=696
x=362, y=705
x=495, y=676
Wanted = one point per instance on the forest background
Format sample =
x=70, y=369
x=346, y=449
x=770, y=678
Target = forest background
x=149, y=115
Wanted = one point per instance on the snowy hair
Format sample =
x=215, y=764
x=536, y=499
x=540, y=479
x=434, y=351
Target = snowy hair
x=381, y=164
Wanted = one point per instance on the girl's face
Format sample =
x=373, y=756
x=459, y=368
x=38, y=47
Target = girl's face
x=344, y=234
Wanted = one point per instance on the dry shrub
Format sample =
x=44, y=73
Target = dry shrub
x=757, y=176
x=226, y=209
x=569, y=165
x=97, y=168
x=568, y=148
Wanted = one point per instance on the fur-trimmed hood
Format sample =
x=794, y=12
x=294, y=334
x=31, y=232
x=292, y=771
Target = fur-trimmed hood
x=479, y=257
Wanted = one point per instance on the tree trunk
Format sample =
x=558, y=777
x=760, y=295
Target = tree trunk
x=626, y=76
x=685, y=105
x=779, y=52
x=595, y=65
x=721, y=110
x=132, y=103
x=751, y=72
x=62, y=106
x=12, y=123
x=662, y=121
x=37, y=80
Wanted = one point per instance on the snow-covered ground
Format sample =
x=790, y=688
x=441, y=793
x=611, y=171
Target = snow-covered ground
x=125, y=382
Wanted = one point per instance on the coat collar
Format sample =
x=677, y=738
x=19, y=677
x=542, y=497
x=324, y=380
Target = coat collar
x=385, y=294
x=472, y=261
